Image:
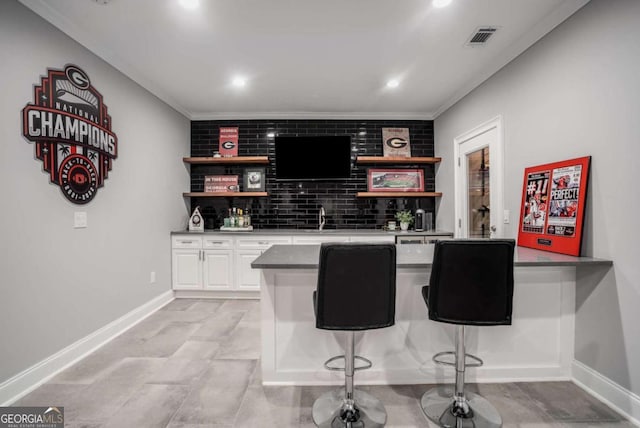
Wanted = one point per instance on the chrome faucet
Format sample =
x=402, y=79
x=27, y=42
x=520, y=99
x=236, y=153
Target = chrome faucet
x=321, y=218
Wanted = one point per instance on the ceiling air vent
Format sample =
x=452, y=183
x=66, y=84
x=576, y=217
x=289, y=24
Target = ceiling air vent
x=481, y=35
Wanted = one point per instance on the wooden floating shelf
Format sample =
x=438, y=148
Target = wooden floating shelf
x=225, y=194
x=397, y=194
x=228, y=161
x=396, y=159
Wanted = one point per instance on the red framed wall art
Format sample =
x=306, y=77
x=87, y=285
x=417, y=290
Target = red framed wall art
x=395, y=180
x=552, y=208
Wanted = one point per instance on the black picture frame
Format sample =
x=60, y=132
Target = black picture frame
x=254, y=180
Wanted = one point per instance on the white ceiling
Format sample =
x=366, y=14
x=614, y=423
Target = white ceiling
x=306, y=58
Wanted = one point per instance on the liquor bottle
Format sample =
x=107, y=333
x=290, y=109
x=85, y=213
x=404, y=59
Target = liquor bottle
x=240, y=218
x=227, y=219
x=247, y=217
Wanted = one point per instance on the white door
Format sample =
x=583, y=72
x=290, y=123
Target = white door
x=479, y=182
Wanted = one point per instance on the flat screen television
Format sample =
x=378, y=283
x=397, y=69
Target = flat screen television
x=313, y=158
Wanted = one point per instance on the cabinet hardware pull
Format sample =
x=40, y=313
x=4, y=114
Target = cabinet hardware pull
x=263, y=242
x=201, y=255
x=186, y=242
x=216, y=242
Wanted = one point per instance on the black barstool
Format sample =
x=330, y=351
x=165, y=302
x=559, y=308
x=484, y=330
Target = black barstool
x=356, y=291
x=471, y=284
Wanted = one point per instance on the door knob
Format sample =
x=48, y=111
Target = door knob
x=493, y=228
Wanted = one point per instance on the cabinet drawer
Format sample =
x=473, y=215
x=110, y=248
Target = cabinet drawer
x=217, y=242
x=375, y=238
x=186, y=241
x=316, y=240
x=410, y=239
x=261, y=242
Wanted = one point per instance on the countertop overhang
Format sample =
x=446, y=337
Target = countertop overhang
x=411, y=256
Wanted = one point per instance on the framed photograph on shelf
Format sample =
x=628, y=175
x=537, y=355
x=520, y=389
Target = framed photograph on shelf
x=396, y=180
x=552, y=208
x=395, y=142
x=254, y=180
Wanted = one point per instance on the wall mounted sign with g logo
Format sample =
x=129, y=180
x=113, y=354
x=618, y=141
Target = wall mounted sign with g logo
x=395, y=142
x=228, y=141
x=69, y=124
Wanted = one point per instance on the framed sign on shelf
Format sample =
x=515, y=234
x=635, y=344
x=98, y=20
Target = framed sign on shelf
x=254, y=180
x=220, y=183
x=228, y=141
x=552, y=208
x=397, y=180
x=395, y=142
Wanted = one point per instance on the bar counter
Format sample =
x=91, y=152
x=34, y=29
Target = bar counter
x=539, y=345
x=410, y=256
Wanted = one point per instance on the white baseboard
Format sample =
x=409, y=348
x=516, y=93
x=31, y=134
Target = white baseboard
x=26, y=381
x=216, y=294
x=604, y=389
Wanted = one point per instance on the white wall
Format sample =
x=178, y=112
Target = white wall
x=58, y=284
x=575, y=93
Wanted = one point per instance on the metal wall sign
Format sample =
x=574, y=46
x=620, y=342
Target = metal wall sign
x=553, y=206
x=71, y=129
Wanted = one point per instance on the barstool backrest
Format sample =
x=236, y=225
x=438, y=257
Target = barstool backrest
x=472, y=282
x=356, y=286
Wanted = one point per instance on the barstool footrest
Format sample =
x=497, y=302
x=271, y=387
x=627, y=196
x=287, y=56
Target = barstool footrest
x=477, y=362
x=368, y=364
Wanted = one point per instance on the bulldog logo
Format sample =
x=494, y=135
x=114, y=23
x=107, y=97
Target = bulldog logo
x=69, y=124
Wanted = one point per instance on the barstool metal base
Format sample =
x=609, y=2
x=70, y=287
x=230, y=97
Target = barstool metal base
x=439, y=405
x=328, y=410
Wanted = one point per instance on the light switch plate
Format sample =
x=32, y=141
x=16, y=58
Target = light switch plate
x=506, y=216
x=79, y=219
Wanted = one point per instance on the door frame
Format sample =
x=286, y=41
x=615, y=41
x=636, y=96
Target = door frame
x=496, y=156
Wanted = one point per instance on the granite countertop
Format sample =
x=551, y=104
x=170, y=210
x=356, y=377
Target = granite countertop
x=311, y=232
x=410, y=256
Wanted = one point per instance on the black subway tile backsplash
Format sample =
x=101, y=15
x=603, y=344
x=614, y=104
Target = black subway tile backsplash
x=296, y=204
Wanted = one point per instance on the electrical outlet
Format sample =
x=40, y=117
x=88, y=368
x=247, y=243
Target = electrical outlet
x=79, y=219
x=152, y=277
x=506, y=217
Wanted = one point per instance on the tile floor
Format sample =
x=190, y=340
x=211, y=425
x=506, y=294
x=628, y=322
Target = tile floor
x=195, y=363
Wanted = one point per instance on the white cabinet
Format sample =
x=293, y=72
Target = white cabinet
x=186, y=261
x=217, y=265
x=217, y=257
x=187, y=269
x=201, y=263
x=246, y=251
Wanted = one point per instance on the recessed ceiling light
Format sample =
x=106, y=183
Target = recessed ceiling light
x=239, y=82
x=393, y=83
x=189, y=4
x=271, y=134
x=441, y=3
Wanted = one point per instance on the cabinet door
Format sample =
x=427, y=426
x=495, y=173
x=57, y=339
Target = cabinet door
x=247, y=278
x=218, y=269
x=186, y=269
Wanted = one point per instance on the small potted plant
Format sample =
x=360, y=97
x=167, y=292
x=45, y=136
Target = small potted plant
x=405, y=218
